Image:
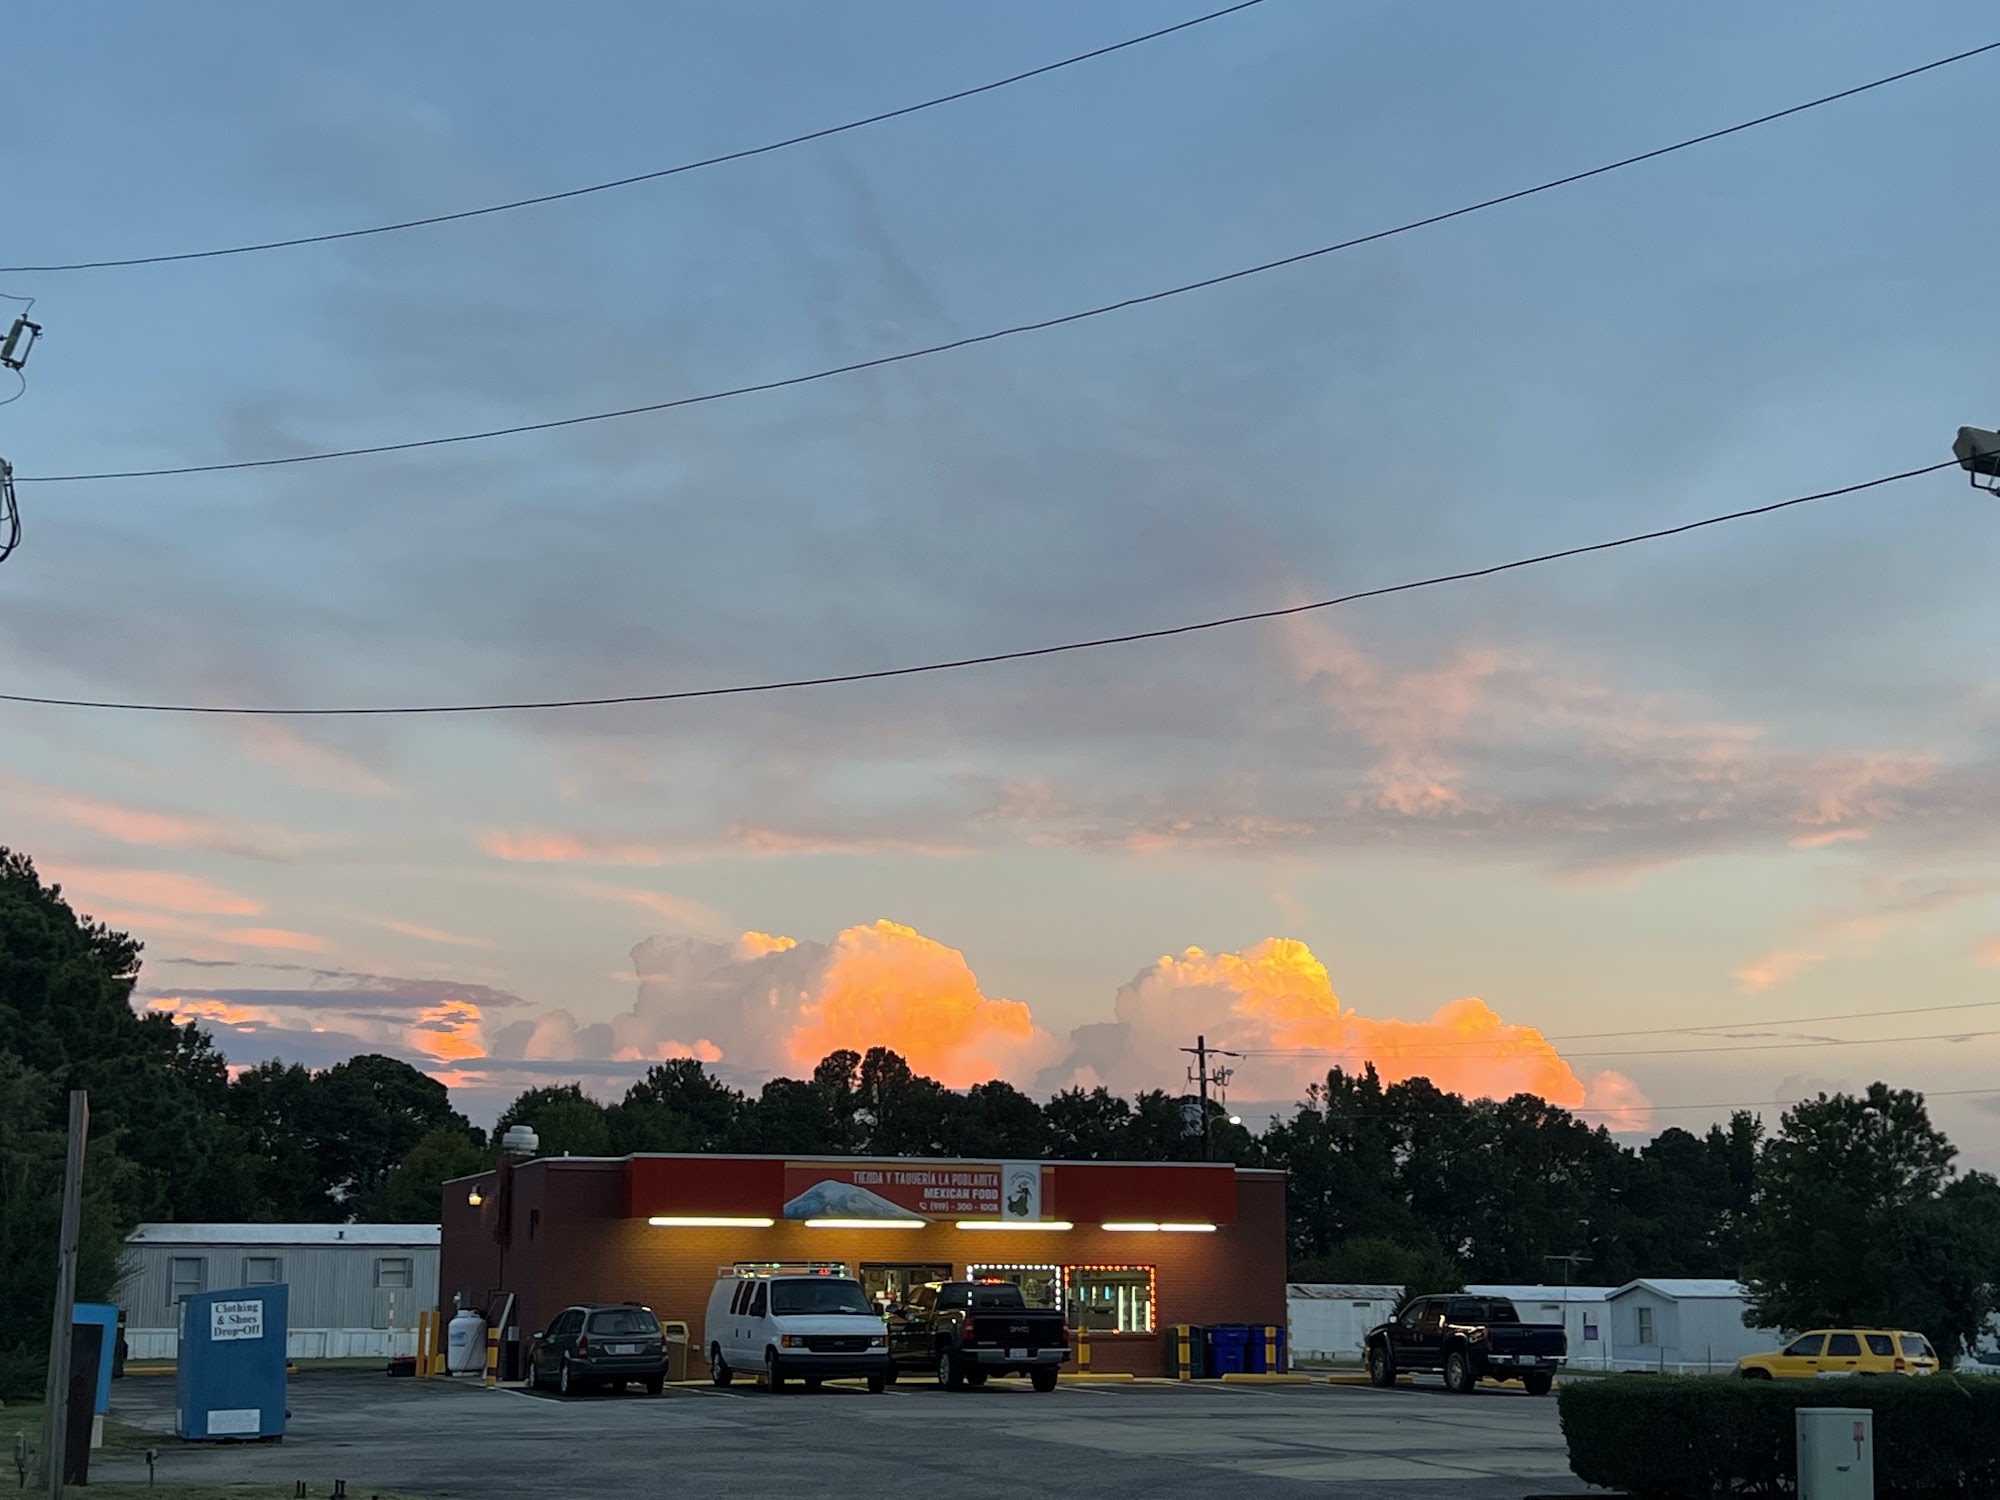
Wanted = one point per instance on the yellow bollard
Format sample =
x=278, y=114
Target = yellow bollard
x=492, y=1357
x=1271, y=1349
x=1183, y=1365
x=1083, y=1351
x=433, y=1360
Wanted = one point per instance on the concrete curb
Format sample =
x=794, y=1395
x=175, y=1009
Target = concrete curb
x=1242, y=1377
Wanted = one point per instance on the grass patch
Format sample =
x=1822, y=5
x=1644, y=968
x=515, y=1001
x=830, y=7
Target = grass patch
x=119, y=1437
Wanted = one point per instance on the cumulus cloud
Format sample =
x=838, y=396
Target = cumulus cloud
x=1274, y=1003
x=765, y=1004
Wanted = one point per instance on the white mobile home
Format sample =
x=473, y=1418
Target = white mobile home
x=1583, y=1311
x=355, y=1289
x=1681, y=1326
x=1328, y=1319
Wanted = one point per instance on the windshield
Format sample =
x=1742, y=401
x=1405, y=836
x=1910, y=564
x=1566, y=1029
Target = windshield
x=820, y=1294
x=624, y=1320
x=997, y=1296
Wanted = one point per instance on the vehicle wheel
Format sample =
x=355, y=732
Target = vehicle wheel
x=1044, y=1377
x=950, y=1376
x=1381, y=1367
x=1756, y=1374
x=566, y=1383
x=615, y=1387
x=1538, y=1382
x=975, y=1380
x=773, y=1381
x=814, y=1382
x=719, y=1372
x=1458, y=1374
x=875, y=1384
x=655, y=1384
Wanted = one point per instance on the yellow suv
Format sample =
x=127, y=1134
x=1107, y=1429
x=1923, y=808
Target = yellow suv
x=1829, y=1352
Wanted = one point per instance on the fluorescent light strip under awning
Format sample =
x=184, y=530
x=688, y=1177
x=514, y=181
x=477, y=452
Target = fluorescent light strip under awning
x=866, y=1223
x=706, y=1221
x=1015, y=1224
x=1159, y=1228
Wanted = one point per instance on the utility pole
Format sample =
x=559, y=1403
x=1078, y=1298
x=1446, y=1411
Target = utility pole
x=1567, y=1262
x=1201, y=1075
x=15, y=346
x=55, y=1432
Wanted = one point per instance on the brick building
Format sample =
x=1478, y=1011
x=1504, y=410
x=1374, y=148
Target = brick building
x=1125, y=1248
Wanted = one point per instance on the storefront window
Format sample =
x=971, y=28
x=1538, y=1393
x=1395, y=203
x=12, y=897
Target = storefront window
x=1111, y=1299
x=889, y=1283
x=1041, y=1286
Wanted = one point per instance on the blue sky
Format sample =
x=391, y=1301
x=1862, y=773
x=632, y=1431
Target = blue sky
x=1745, y=774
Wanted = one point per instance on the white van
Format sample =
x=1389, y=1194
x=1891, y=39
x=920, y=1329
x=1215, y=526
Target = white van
x=806, y=1322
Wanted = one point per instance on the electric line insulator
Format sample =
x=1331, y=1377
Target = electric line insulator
x=19, y=343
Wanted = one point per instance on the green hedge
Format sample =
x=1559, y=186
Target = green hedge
x=1669, y=1437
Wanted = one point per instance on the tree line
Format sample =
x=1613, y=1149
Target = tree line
x=1850, y=1212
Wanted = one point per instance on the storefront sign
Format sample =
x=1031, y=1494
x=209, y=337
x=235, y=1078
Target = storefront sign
x=910, y=1190
x=236, y=1320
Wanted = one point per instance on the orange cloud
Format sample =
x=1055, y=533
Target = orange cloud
x=1275, y=1003
x=1779, y=966
x=433, y=934
x=274, y=937
x=889, y=984
x=162, y=890
x=1988, y=952
x=538, y=847
x=757, y=943
x=216, y=1012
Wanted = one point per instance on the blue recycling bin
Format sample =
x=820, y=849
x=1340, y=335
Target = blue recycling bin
x=106, y=1316
x=1228, y=1344
x=229, y=1380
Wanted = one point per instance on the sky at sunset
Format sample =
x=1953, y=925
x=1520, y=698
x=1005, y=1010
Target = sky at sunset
x=1522, y=833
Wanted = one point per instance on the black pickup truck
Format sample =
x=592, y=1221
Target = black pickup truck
x=964, y=1331
x=1466, y=1340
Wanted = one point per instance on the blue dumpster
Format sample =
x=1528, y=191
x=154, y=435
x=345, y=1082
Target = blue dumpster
x=1228, y=1344
x=229, y=1381
x=106, y=1316
x=1266, y=1354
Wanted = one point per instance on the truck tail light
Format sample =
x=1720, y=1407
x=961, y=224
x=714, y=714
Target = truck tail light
x=970, y=1331
x=583, y=1343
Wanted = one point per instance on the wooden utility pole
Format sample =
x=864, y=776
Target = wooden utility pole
x=55, y=1431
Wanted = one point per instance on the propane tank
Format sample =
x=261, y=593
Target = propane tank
x=465, y=1344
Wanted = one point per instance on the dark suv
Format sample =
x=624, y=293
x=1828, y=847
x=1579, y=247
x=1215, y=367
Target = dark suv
x=599, y=1344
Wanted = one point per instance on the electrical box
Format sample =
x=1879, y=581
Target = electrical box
x=1836, y=1452
x=230, y=1368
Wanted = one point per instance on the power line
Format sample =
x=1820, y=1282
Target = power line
x=623, y=182
x=1694, y=1031
x=1012, y=330
x=1380, y=1052
x=961, y=663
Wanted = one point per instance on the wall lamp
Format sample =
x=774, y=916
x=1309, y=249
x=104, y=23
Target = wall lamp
x=866, y=1223
x=475, y=1197
x=706, y=1221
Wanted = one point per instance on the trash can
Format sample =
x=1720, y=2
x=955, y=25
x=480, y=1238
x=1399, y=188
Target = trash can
x=1187, y=1352
x=1227, y=1345
x=676, y=1339
x=1266, y=1354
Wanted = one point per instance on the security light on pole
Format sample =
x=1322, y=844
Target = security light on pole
x=1978, y=453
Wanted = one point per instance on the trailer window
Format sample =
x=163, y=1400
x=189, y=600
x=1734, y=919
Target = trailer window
x=263, y=1270
x=187, y=1275
x=392, y=1272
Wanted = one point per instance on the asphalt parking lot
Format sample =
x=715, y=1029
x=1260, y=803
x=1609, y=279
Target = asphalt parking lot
x=1142, y=1438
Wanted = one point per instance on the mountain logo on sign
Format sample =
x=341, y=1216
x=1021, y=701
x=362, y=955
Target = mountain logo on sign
x=843, y=1200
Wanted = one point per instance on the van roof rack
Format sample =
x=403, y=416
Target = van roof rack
x=753, y=1268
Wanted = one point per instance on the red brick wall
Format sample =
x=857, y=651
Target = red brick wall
x=585, y=1250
